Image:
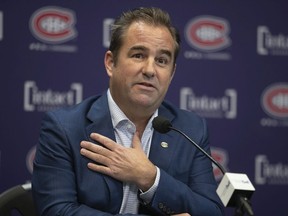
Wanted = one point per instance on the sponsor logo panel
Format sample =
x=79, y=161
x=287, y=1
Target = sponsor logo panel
x=269, y=173
x=274, y=102
x=209, y=37
x=39, y=100
x=271, y=43
x=53, y=27
x=210, y=107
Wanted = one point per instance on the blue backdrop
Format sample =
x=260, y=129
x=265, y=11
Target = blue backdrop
x=232, y=70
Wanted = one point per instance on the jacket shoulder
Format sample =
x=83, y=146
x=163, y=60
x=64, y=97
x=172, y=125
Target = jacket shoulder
x=77, y=112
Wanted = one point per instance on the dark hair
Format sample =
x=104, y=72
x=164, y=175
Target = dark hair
x=151, y=15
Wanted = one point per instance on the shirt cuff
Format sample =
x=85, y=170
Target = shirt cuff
x=148, y=195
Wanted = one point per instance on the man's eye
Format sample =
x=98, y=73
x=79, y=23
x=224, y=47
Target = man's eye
x=163, y=61
x=138, y=55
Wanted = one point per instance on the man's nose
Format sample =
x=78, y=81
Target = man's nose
x=149, y=68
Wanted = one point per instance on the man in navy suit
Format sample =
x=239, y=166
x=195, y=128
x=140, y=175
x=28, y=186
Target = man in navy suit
x=103, y=157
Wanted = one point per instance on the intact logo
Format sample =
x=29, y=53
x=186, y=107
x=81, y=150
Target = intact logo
x=210, y=107
x=208, y=33
x=275, y=100
x=53, y=25
x=271, y=44
x=36, y=99
x=107, y=22
x=267, y=172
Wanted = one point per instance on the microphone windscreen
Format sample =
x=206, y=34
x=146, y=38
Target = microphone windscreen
x=161, y=124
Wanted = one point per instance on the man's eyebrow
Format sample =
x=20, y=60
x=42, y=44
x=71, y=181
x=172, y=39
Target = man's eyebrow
x=166, y=52
x=143, y=48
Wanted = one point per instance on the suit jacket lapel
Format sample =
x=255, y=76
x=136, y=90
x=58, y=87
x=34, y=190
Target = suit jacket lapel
x=101, y=123
x=163, y=145
x=100, y=118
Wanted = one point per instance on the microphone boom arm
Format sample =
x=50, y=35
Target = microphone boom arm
x=199, y=148
x=243, y=204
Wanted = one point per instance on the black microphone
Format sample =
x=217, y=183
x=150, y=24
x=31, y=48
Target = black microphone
x=161, y=124
x=233, y=189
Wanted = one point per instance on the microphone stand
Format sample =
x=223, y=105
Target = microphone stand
x=243, y=205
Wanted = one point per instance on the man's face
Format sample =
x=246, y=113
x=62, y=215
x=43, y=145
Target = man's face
x=144, y=68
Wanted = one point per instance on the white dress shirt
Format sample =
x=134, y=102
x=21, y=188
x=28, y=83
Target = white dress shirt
x=124, y=130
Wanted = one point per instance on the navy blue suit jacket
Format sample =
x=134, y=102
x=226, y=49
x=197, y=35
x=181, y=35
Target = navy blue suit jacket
x=63, y=185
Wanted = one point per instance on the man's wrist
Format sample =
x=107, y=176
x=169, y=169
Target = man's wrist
x=147, y=196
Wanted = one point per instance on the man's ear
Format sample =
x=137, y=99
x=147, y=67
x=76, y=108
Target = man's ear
x=173, y=72
x=109, y=62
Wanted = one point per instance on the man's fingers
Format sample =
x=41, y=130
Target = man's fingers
x=98, y=157
x=99, y=168
x=94, y=148
x=105, y=141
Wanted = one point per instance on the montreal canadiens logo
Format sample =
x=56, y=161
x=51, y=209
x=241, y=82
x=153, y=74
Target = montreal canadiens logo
x=53, y=25
x=208, y=33
x=221, y=156
x=275, y=100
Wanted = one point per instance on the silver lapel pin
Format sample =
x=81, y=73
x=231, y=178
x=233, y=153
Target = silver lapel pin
x=164, y=144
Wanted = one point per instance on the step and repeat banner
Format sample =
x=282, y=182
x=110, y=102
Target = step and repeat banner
x=232, y=70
